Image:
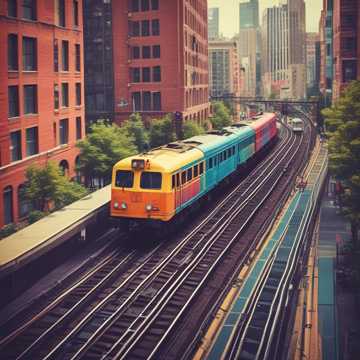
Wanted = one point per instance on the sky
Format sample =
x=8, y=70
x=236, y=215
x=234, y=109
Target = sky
x=229, y=14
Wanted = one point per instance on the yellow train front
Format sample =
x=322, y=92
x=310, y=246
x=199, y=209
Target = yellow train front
x=155, y=185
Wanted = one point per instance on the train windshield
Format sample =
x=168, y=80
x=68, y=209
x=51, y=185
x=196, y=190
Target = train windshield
x=124, y=178
x=150, y=180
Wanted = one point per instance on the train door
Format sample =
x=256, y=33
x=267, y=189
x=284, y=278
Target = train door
x=178, y=190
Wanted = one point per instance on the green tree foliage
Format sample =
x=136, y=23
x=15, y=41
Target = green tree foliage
x=191, y=128
x=161, y=132
x=46, y=186
x=343, y=126
x=221, y=115
x=104, y=146
x=136, y=129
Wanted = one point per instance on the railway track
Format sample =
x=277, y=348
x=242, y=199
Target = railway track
x=131, y=309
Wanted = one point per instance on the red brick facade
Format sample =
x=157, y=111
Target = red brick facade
x=346, y=44
x=161, y=58
x=31, y=126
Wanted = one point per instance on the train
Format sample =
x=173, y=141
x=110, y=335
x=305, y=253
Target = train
x=297, y=125
x=159, y=184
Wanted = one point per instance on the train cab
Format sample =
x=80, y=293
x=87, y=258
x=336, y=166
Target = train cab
x=147, y=186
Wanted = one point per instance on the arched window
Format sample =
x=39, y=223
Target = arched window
x=23, y=203
x=64, y=166
x=8, y=205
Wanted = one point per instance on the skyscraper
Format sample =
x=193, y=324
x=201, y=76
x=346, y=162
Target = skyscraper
x=213, y=23
x=249, y=14
x=283, y=50
x=248, y=45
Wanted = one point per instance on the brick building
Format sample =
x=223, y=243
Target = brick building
x=346, y=42
x=41, y=93
x=160, y=58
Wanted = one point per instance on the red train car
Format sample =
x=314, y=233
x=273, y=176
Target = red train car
x=265, y=129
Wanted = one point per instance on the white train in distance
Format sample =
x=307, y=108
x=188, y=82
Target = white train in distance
x=297, y=125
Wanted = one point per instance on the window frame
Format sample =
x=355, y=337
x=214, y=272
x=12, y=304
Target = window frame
x=34, y=143
x=124, y=171
x=13, y=103
x=13, y=52
x=34, y=99
x=157, y=173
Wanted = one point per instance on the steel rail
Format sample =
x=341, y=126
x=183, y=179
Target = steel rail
x=160, y=304
x=218, y=231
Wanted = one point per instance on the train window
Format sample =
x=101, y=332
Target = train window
x=124, y=179
x=177, y=180
x=201, y=168
x=233, y=150
x=189, y=174
x=196, y=170
x=215, y=160
x=183, y=177
x=224, y=155
x=173, y=181
x=210, y=163
x=229, y=153
x=150, y=180
x=220, y=157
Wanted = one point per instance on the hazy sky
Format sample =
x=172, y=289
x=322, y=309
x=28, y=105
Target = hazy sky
x=229, y=14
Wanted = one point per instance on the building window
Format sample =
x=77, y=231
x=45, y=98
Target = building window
x=60, y=12
x=56, y=96
x=32, y=146
x=134, y=28
x=134, y=5
x=76, y=12
x=65, y=95
x=146, y=52
x=135, y=52
x=155, y=27
x=157, y=101
x=78, y=128
x=8, y=205
x=349, y=70
x=146, y=100
x=29, y=9
x=146, y=74
x=78, y=93
x=65, y=55
x=156, y=73
x=13, y=63
x=135, y=75
x=12, y=8
x=29, y=54
x=145, y=28
x=136, y=100
x=154, y=4
x=30, y=99
x=13, y=94
x=145, y=5
x=23, y=203
x=64, y=131
x=56, y=56
x=156, y=51
x=77, y=57
x=349, y=44
x=15, y=145
x=64, y=167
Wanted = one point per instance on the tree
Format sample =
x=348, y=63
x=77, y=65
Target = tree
x=136, y=129
x=47, y=186
x=221, y=115
x=343, y=128
x=104, y=146
x=162, y=132
x=191, y=128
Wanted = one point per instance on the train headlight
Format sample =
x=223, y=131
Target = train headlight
x=116, y=205
x=123, y=205
x=148, y=207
